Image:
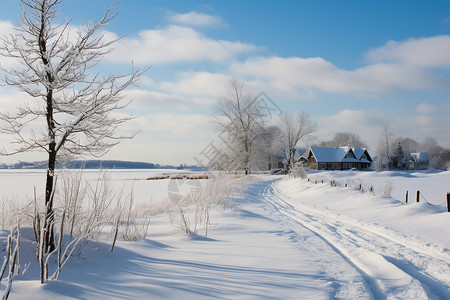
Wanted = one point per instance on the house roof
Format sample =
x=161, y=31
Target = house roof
x=299, y=153
x=332, y=154
x=338, y=154
x=359, y=152
x=420, y=156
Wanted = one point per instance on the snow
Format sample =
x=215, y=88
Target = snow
x=19, y=185
x=334, y=154
x=284, y=238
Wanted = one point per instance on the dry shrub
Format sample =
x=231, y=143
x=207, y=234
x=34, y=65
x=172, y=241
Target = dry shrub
x=195, y=214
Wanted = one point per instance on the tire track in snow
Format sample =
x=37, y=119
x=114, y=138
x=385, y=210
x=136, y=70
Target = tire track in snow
x=393, y=269
x=346, y=281
x=375, y=292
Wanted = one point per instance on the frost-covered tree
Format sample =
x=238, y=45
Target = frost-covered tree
x=268, y=146
x=408, y=145
x=240, y=120
x=345, y=139
x=439, y=157
x=398, y=157
x=294, y=127
x=71, y=103
x=400, y=149
x=384, y=157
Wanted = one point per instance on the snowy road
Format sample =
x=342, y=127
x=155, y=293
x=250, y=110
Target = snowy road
x=390, y=265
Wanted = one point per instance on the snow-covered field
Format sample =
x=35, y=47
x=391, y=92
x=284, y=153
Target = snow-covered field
x=19, y=184
x=284, y=238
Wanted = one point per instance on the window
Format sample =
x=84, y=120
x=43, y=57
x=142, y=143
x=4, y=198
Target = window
x=350, y=155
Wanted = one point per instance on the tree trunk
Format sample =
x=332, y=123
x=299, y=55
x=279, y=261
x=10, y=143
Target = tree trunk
x=49, y=238
x=292, y=158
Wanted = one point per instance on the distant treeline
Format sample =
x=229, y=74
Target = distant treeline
x=93, y=164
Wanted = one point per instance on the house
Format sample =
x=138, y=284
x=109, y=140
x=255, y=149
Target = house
x=279, y=161
x=419, y=161
x=337, y=158
x=363, y=156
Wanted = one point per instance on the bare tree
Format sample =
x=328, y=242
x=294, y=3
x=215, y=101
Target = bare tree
x=345, y=139
x=400, y=149
x=269, y=149
x=384, y=159
x=408, y=145
x=439, y=157
x=239, y=117
x=73, y=109
x=294, y=127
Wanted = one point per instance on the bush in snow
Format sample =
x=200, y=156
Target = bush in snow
x=299, y=171
x=193, y=213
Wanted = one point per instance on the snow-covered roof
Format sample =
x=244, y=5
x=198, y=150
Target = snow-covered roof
x=332, y=154
x=338, y=154
x=300, y=152
x=420, y=156
x=359, y=152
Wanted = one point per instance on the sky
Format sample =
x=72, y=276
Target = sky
x=353, y=66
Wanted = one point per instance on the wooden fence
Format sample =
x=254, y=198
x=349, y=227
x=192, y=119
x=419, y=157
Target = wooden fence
x=370, y=189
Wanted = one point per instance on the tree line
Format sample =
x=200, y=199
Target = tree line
x=253, y=142
x=391, y=150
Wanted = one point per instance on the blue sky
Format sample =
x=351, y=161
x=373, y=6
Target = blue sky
x=352, y=65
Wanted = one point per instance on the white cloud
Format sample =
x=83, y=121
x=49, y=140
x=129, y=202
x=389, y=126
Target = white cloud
x=191, y=127
x=365, y=123
x=9, y=101
x=143, y=100
x=167, y=138
x=194, y=18
x=433, y=52
x=317, y=73
x=204, y=88
x=7, y=28
x=424, y=120
x=198, y=83
x=347, y=119
x=395, y=66
x=418, y=127
x=426, y=108
x=175, y=44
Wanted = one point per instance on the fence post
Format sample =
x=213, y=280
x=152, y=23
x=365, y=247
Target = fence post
x=417, y=196
x=406, y=197
x=448, y=202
